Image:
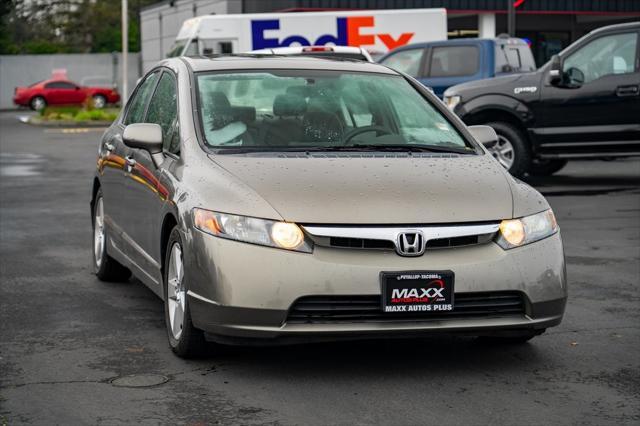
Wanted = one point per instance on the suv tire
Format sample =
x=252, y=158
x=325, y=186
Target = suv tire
x=521, y=151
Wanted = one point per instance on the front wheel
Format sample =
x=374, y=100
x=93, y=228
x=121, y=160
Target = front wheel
x=511, y=150
x=185, y=340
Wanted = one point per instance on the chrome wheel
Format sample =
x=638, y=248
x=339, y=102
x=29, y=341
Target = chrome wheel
x=99, y=102
x=98, y=233
x=503, y=151
x=176, y=293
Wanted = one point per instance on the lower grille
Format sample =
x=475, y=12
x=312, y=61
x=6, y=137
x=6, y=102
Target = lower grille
x=355, y=309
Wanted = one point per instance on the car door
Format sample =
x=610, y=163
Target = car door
x=447, y=66
x=65, y=92
x=113, y=155
x=596, y=107
x=145, y=191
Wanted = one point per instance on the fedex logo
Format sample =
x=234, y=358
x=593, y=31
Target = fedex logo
x=348, y=34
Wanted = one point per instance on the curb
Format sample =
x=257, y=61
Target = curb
x=68, y=124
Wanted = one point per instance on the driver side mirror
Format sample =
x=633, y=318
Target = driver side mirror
x=484, y=135
x=147, y=136
x=555, y=72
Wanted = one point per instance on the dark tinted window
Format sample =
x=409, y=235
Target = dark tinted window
x=60, y=85
x=135, y=113
x=450, y=61
x=163, y=110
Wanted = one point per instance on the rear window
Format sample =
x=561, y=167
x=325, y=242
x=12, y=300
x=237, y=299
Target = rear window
x=454, y=61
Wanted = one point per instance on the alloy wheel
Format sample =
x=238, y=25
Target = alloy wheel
x=503, y=151
x=98, y=233
x=176, y=292
x=38, y=103
x=99, y=102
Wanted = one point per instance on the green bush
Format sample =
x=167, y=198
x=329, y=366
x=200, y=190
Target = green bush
x=74, y=113
x=57, y=110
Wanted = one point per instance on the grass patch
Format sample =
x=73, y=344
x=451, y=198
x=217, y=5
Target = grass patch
x=74, y=113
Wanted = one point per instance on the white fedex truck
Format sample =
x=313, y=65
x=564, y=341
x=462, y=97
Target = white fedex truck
x=377, y=31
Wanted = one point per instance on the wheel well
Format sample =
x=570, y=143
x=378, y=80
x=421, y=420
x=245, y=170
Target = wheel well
x=492, y=115
x=168, y=224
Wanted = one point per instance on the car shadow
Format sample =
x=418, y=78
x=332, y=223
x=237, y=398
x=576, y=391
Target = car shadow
x=384, y=357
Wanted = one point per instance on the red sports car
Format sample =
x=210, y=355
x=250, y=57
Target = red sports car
x=61, y=92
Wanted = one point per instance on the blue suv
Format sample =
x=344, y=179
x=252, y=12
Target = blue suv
x=442, y=64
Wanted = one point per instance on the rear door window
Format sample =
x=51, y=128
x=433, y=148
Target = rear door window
x=454, y=61
x=406, y=61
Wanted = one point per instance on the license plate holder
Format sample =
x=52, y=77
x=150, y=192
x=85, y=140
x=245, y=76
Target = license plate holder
x=417, y=291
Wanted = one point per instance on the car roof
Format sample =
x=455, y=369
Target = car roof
x=297, y=49
x=616, y=27
x=270, y=61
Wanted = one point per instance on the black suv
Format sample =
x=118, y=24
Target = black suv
x=584, y=102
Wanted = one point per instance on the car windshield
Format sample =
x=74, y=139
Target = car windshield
x=320, y=110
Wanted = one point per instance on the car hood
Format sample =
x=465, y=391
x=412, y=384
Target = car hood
x=376, y=190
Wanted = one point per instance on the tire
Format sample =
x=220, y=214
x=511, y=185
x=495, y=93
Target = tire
x=37, y=103
x=99, y=101
x=510, y=137
x=185, y=340
x=546, y=167
x=105, y=267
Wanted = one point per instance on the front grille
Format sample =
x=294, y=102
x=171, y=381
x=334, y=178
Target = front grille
x=357, y=309
x=361, y=243
x=437, y=243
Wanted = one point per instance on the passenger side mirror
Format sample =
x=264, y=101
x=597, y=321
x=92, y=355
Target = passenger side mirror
x=147, y=136
x=555, y=72
x=484, y=135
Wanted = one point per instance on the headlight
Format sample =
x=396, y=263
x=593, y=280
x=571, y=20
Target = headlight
x=284, y=235
x=526, y=230
x=452, y=102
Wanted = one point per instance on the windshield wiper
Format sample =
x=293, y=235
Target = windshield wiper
x=351, y=148
x=412, y=148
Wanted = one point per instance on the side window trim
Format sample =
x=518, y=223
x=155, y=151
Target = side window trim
x=135, y=92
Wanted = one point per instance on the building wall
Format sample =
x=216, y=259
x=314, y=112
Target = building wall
x=23, y=70
x=160, y=23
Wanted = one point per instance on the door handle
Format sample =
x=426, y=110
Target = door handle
x=628, y=90
x=131, y=162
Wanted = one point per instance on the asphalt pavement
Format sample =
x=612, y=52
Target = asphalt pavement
x=68, y=342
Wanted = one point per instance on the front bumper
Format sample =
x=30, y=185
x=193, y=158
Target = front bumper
x=239, y=290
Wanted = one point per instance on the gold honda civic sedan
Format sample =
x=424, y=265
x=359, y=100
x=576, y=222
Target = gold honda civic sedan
x=291, y=199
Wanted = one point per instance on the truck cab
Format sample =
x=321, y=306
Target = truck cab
x=583, y=103
x=442, y=64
